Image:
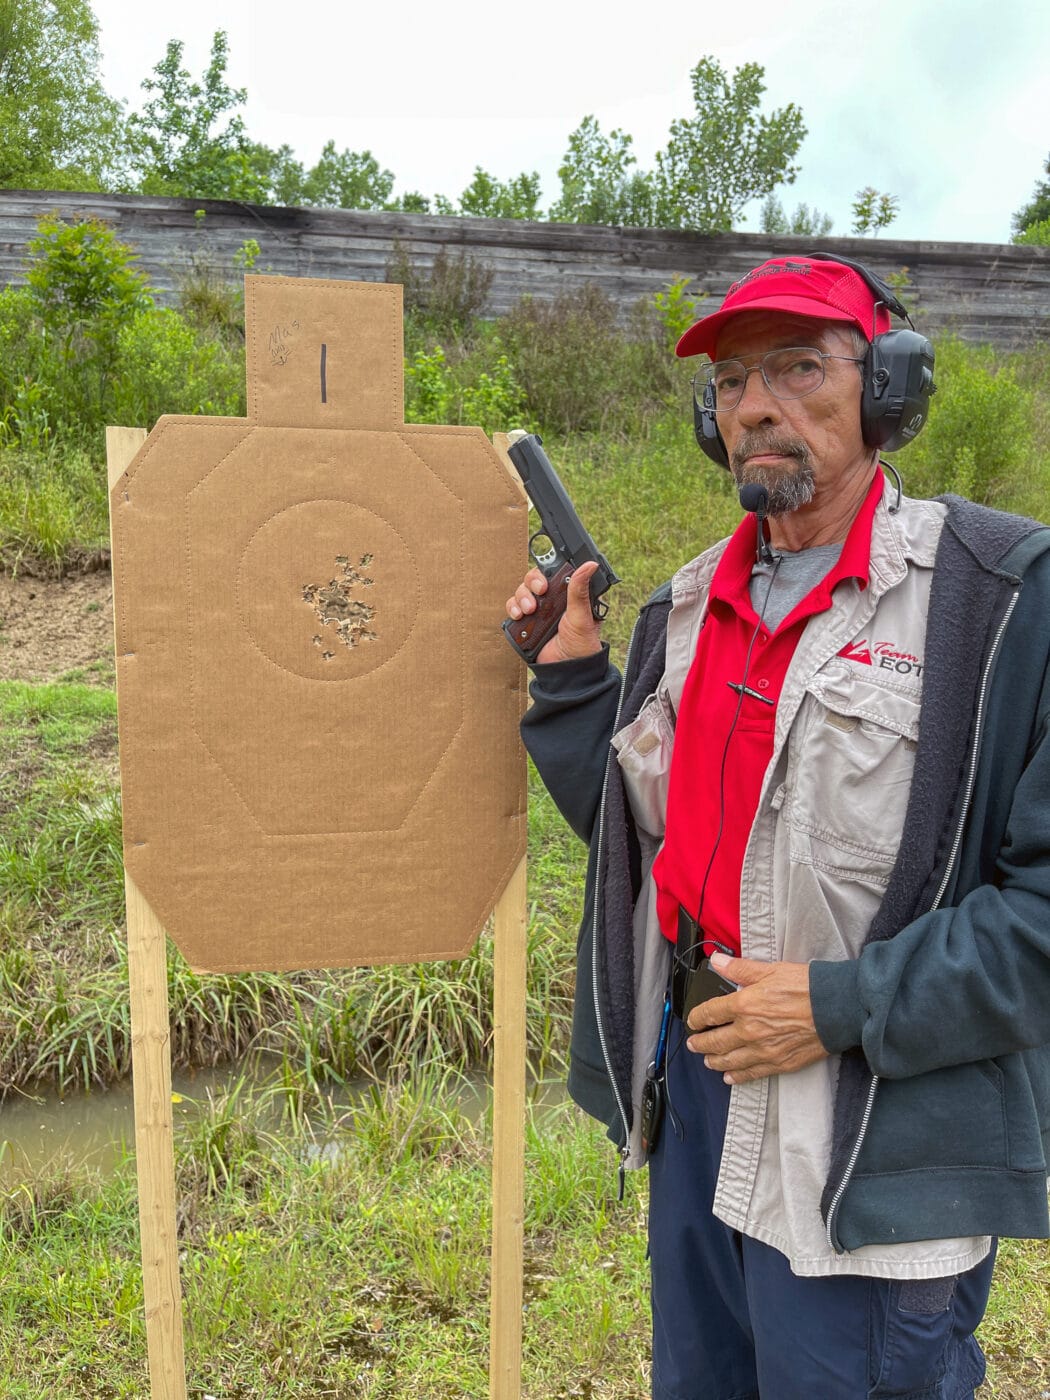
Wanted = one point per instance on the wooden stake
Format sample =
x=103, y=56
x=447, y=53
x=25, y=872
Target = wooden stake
x=151, y=1072
x=508, y=1140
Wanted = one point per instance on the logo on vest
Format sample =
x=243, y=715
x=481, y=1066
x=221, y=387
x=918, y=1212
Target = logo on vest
x=886, y=656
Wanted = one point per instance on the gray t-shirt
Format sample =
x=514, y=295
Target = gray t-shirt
x=776, y=590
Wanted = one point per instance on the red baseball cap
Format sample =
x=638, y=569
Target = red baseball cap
x=825, y=291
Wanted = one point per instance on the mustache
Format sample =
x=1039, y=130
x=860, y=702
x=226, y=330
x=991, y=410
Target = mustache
x=757, y=443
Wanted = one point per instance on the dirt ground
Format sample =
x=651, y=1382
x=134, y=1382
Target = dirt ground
x=50, y=627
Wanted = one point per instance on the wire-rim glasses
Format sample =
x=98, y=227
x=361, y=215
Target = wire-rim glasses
x=791, y=373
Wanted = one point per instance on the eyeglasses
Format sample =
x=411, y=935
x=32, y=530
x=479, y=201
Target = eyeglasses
x=788, y=374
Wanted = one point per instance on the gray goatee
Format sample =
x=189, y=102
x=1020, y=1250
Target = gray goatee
x=789, y=486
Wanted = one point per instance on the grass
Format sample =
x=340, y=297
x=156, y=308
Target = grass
x=53, y=509
x=386, y=1237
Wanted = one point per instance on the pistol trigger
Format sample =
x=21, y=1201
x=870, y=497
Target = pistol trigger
x=599, y=609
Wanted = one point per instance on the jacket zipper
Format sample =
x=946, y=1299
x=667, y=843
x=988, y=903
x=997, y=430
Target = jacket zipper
x=953, y=855
x=625, y=1151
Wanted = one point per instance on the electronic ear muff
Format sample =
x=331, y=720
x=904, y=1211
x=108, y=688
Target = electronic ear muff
x=896, y=378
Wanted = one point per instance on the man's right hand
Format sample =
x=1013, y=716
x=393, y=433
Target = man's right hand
x=578, y=634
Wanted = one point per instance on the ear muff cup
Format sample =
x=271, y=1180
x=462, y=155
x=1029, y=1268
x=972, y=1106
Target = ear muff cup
x=705, y=426
x=897, y=387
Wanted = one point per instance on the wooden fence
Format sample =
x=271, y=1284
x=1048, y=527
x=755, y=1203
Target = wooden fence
x=982, y=291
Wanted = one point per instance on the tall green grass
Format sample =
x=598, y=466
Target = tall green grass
x=53, y=509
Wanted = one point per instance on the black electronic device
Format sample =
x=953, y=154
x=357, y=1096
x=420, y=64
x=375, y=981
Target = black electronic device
x=755, y=499
x=653, y=1105
x=896, y=376
x=693, y=979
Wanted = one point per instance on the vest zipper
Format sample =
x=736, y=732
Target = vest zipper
x=953, y=855
x=602, y=1039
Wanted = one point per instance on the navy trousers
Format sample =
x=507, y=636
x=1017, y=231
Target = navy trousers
x=732, y=1322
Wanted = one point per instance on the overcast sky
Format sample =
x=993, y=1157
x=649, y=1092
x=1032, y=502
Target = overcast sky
x=944, y=104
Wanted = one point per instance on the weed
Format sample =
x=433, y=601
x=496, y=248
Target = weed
x=979, y=435
x=53, y=509
x=446, y=301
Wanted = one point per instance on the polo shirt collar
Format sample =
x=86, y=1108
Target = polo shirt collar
x=732, y=577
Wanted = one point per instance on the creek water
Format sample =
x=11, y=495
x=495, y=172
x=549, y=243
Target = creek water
x=42, y=1130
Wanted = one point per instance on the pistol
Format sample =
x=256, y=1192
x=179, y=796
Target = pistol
x=568, y=546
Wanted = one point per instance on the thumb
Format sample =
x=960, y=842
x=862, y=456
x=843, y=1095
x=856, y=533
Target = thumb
x=579, y=586
x=743, y=971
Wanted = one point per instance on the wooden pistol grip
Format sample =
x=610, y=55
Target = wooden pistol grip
x=532, y=633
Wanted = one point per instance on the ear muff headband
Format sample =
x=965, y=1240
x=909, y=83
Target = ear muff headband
x=896, y=378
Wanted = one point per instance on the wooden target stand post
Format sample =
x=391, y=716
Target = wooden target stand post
x=319, y=748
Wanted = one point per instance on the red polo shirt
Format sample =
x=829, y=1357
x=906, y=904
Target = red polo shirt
x=711, y=802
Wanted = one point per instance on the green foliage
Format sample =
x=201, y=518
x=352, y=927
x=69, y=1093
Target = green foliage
x=428, y=390
x=53, y=509
x=873, y=211
x=490, y=198
x=677, y=309
x=806, y=222
x=210, y=301
x=580, y=370
x=978, y=440
x=189, y=140
x=597, y=184
x=83, y=345
x=80, y=276
x=1035, y=235
x=164, y=365
x=1037, y=210
x=436, y=393
x=58, y=127
x=412, y=203
x=346, y=180
x=717, y=161
x=24, y=419
x=82, y=288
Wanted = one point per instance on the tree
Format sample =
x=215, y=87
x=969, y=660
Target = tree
x=597, y=185
x=728, y=154
x=347, y=180
x=490, y=198
x=1037, y=210
x=279, y=172
x=1035, y=235
x=83, y=287
x=58, y=127
x=807, y=222
x=180, y=143
x=873, y=211
x=411, y=202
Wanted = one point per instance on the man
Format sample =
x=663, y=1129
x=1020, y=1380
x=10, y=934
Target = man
x=830, y=768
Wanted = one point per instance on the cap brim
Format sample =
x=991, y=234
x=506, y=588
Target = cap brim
x=702, y=338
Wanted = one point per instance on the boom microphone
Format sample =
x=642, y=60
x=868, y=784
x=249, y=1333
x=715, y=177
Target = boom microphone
x=755, y=499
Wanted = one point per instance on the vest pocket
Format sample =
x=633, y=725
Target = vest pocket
x=850, y=766
x=643, y=750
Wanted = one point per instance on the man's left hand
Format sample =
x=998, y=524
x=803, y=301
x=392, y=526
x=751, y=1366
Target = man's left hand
x=764, y=1028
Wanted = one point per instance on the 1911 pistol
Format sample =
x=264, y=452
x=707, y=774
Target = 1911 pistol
x=570, y=546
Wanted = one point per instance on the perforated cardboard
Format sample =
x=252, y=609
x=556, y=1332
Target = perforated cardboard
x=318, y=711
